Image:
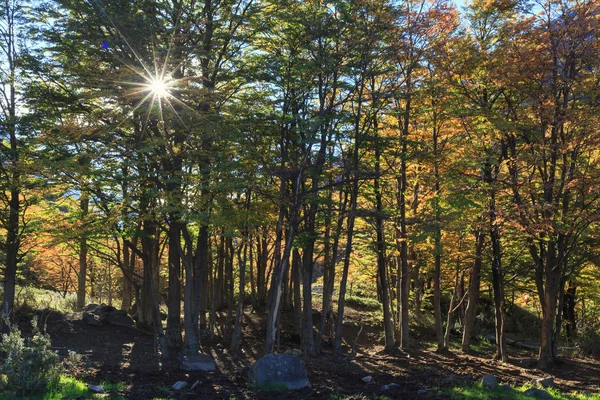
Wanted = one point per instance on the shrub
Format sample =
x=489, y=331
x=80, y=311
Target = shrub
x=588, y=343
x=363, y=303
x=29, y=366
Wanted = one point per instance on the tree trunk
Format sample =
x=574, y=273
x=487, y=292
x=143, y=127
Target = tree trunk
x=474, y=283
x=84, y=203
x=381, y=257
x=297, y=276
x=329, y=278
x=569, y=310
x=174, y=340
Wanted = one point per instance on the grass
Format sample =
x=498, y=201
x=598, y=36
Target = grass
x=359, y=396
x=477, y=392
x=267, y=388
x=363, y=303
x=67, y=388
x=113, y=387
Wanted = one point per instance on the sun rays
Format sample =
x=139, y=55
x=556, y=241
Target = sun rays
x=159, y=90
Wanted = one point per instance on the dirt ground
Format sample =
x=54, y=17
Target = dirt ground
x=128, y=356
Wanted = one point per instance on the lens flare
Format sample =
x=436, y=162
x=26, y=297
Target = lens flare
x=159, y=88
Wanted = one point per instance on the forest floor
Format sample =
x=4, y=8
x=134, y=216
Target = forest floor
x=126, y=358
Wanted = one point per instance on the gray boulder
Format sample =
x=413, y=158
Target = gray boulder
x=537, y=393
x=279, y=370
x=91, y=319
x=547, y=382
x=489, y=382
x=198, y=362
x=119, y=319
x=98, y=314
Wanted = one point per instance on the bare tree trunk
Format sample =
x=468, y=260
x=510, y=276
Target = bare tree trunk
x=84, y=203
x=474, y=283
x=337, y=344
x=174, y=340
x=329, y=279
x=296, y=274
x=381, y=256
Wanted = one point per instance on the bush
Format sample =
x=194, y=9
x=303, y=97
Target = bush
x=363, y=303
x=29, y=366
x=588, y=343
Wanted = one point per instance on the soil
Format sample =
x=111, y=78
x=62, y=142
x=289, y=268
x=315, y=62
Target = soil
x=128, y=356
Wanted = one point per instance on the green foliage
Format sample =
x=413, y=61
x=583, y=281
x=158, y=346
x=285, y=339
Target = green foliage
x=363, y=303
x=267, y=388
x=478, y=392
x=29, y=366
x=588, y=343
x=29, y=297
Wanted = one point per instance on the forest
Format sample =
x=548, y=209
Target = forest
x=338, y=178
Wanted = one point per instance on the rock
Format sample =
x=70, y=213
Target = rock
x=489, y=382
x=537, y=393
x=96, y=389
x=421, y=392
x=390, y=386
x=505, y=387
x=297, y=352
x=97, y=314
x=90, y=307
x=368, y=379
x=547, y=382
x=279, y=370
x=179, y=385
x=198, y=362
x=118, y=319
x=91, y=319
x=61, y=351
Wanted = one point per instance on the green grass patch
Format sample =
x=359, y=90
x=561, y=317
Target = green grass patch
x=363, y=303
x=67, y=388
x=477, y=392
x=113, y=387
x=278, y=387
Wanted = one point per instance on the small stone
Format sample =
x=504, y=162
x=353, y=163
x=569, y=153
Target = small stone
x=96, y=388
x=297, y=352
x=547, y=382
x=421, y=391
x=390, y=386
x=537, y=393
x=368, y=379
x=505, y=387
x=489, y=382
x=179, y=385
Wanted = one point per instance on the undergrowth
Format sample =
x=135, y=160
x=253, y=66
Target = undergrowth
x=476, y=392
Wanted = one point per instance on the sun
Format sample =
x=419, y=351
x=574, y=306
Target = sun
x=159, y=88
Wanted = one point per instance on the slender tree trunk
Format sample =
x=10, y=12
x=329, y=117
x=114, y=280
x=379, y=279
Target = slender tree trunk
x=84, y=203
x=381, y=256
x=282, y=262
x=328, y=283
x=236, y=338
x=474, y=283
x=569, y=310
x=297, y=276
x=174, y=340
x=337, y=344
